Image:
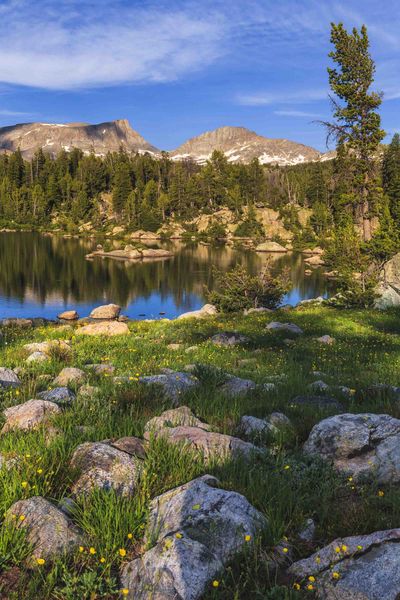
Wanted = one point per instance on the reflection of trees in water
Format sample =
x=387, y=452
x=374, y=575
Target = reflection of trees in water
x=38, y=267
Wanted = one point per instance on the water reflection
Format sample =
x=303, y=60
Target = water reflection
x=41, y=275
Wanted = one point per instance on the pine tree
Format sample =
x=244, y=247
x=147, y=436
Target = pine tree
x=122, y=188
x=391, y=176
x=357, y=123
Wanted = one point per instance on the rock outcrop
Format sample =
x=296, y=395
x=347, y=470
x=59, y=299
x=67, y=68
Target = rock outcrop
x=29, y=415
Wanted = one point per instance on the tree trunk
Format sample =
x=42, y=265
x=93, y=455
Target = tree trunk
x=365, y=211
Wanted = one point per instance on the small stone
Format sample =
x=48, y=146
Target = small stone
x=260, y=309
x=59, y=395
x=236, y=386
x=37, y=357
x=208, y=310
x=70, y=376
x=307, y=533
x=176, y=417
x=173, y=383
x=101, y=369
x=326, y=339
x=174, y=346
x=8, y=378
x=318, y=402
x=68, y=315
x=229, y=339
x=318, y=386
x=290, y=327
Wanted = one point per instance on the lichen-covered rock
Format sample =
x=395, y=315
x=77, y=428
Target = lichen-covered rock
x=107, y=311
x=206, y=311
x=173, y=383
x=29, y=415
x=229, y=339
x=50, y=532
x=197, y=529
x=176, y=417
x=289, y=327
x=8, y=378
x=131, y=445
x=252, y=426
x=104, y=467
x=365, y=568
x=360, y=445
x=68, y=376
x=48, y=347
x=211, y=445
x=101, y=368
x=59, y=395
x=107, y=328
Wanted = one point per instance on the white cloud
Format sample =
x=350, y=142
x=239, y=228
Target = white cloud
x=289, y=97
x=297, y=113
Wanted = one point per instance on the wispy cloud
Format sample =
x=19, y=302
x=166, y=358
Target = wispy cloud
x=289, y=97
x=4, y=112
x=297, y=113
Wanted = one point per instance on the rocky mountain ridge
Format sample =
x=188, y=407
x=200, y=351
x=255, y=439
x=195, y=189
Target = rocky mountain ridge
x=240, y=145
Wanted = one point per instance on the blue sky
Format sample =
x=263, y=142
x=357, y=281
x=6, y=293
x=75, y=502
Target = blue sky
x=178, y=68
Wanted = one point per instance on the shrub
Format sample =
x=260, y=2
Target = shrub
x=237, y=290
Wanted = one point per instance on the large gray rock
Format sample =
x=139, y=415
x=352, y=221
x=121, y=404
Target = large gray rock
x=236, y=386
x=367, y=568
x=29, y=415
x=211, y=445
x=50, y=532
x=48, y=347
x=287, y=327
x=37, y=357
x=8, y=378
x=103, y=466
x=206, y=311
x=104, y=328
x=68, y=376
x=59, y=395
x=359, y=445
x=388, y=289
x=173, y=384
x=175, y=417
x=197, y=529
x=251, y=427
x=107, y=311
x=229, y=339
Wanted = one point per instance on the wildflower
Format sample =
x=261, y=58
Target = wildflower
x=310, y=587
x=359, y=547
x=124, y=591
x=179, y=536
x=196, y=506
x=130, y=536
x=92, y=550
x=122, y=552
x=40, y=561
x=247, y=538
x=286, y=467
x=344, y=548
x=311, y=578
x=296, y=586
x=337, y=550
x=24, y=484
x=335, y=575
x=215, y=583
x=285, y=550
x=318, y=560
x=39, y=471
x=381, y=493
x=22, y=517
x=81, y=548
x=102, y=560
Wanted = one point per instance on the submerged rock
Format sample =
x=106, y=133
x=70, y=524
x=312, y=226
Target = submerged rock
x=197, y=529
x=359, y=445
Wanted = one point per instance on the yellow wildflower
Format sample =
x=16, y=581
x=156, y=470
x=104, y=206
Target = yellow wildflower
x=40, y=561
x=122, y=552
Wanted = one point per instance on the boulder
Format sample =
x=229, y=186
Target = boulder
x=252, y=427
x=103, y=466
x=362, y=445
x=210, y=444
x=388, y=295
x=197, y=529
x=48, y=529
x=312, y=251
x=287, y=327
x=315, y=260
x=16, y=322
x=29, y=415
x=365, y=568
x=106, y=328
x=101, y=369
x=131, y=445
x=59, y=395
x=206, y=311
x=173, y=384
x=235, y=386
x=156, y=253
x=260, y=309
x=68, y=315
x=37, y=357
x=176, y=417
x=68, y=376
x=271, y=247
x=8, y=378
x=48, y=347
x=229, y=339
x=318, y=386
x=108, y=311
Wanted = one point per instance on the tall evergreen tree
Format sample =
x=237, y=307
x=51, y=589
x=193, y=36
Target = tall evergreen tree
x=357, y=125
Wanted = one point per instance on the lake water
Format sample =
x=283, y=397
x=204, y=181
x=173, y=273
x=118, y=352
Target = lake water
x=41, y=276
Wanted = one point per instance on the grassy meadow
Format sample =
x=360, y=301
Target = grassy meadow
x=286, y=486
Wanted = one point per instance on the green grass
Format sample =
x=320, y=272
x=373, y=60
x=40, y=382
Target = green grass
x=285, y=485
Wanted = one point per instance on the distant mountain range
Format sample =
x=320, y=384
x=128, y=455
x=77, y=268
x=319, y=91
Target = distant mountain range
x=240, y=145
